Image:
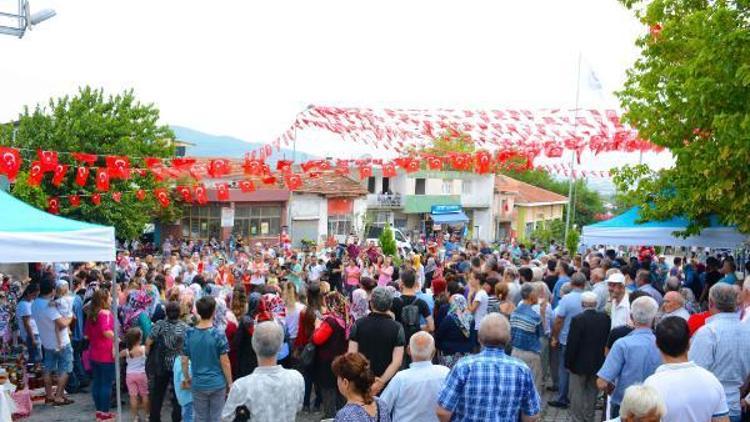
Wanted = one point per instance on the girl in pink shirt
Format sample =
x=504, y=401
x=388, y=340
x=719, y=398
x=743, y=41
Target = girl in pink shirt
x=353, y=273
x=386, y=273
x=100, y=330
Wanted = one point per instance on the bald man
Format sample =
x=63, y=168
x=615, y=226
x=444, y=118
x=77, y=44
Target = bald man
x=674, y=305
x=412, y=393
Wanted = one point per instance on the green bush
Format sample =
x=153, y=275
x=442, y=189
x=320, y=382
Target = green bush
x=387, y=241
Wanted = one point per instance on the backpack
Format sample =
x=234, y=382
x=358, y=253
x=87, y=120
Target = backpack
x=410, y=319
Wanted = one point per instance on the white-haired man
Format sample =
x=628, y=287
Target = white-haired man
x=641, y=403
x=270, y=393
x=412, y=393
x=490, y=382
x=632, y=358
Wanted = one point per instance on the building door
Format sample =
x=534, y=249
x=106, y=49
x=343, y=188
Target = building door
x=305, y=229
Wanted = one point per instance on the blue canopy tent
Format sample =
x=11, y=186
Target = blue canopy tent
x=624, y=230
x=28, y=234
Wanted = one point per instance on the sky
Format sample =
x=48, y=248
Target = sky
x=246, y=68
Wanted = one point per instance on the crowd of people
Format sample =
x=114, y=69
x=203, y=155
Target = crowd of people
x=238, y=332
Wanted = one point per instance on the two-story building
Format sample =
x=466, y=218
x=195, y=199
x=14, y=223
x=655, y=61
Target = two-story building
x=520, y=207
x=426, y=201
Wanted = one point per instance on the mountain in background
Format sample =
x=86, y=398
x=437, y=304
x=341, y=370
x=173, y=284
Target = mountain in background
x=207, y=145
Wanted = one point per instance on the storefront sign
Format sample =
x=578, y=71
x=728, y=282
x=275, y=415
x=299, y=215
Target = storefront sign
x=227, y=217
x=445, y=209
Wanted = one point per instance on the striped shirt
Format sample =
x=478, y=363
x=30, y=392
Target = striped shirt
x=526, y=328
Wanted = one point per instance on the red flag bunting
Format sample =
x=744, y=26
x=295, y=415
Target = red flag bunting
x=253, y=167
x=84, y=158
x=140, y=194
x=82, y=174
x=269, y=180
x=219, y=167
x=183, y=163
x=247, y=186
x=162, y=196
x=53, y=205
x=184, y=193
x=201, y=196
x=96, y=199
x=434, y=163
x=222, y=191
x=118, y=167
x=10, y=162
x=35, y=174
x=365, y=171
x=59, y=174
x=74, y=200
x=460, y=161
x=47, y=159
x=389, y=170
x=293, y=181
x=284, y=166
x=102, y=179
x=117, y=196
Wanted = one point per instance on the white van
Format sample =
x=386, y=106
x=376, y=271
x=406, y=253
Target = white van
x=403, y=245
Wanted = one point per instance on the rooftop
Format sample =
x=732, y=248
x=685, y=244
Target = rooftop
x=526, y=194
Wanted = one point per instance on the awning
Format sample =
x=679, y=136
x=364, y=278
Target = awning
x=456, y=217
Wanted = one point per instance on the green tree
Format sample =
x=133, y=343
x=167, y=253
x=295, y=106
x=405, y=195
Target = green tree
x=690, y=92
x=387, y=241
x=105, y=125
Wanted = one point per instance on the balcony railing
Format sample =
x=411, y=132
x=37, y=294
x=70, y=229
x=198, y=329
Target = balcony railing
x=385, y=200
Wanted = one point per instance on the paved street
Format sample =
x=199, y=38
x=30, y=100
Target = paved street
x=83, y=411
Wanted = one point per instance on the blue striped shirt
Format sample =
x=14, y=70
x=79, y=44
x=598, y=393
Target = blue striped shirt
x=526, y=328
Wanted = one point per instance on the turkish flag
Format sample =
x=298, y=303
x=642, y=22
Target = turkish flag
x=35, y=174
x=74, y=200
x=183, y=163
x=185, y=193
x=82, y=175
x=96, y=199
x=10, y=162
x=102, y=179
x=284, y=166
x=201, y=196
x=82, y=157
x=483, y=162
x=365, y=171
x=117, y=196
x=53, y=205
x=253, y=167
x=219, y=167
x=118, y=167
x=198, y=171
x=434, y=163
x=222, y=191
x=162, y=196
x=342, y=167
x=47, y=159
x=411, y=165
x=269, y=180
x=460, y=161
x=325, y=165
x=293, y=181
x=59, y=174
x=552, y=149
x=389, y=170
x=247, y=186
x=309, y=165
x=140, y=194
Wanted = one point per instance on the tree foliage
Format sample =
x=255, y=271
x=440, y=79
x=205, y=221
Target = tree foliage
x=105, y=125
x=690, y=92
x=387, y=241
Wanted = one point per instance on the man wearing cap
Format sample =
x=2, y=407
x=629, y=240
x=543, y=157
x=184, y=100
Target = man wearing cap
x=620, y=303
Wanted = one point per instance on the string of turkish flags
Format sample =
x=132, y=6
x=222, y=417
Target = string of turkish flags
x=180, y=169
x=533, y=133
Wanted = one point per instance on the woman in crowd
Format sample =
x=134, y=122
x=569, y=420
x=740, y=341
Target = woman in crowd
x=309, y=318
x=361, y=298
x=385, y=270
x=135, y=312
x=455, y=336
x=352, y=277
x=294, y=310
x=163, y=346
x=100, y=330
x=329, y=338
x=505, y=306
x=354, y=378
x=242, y=344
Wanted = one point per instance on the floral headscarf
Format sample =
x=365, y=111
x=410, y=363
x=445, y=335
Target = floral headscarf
x=138, y=302
x=256, y=312
x=338, y=308
x=458, y=312
x=360, y=304
x=276, y=306
x=220, y=316
x=153, y=292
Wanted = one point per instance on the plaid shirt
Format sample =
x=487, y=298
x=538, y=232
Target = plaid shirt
x=489, y=386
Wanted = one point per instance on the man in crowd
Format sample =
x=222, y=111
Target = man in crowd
x=643, y=283
x=584, y=356
x=674, y=305
x=334, y=269
x=270, y=392
x=78, y=377
x=600, y=288
x=490, y=382
x=620, y=303
x=569, y=307
x=412, y=393
x=677, y=378
x=379, y=338
x=632, y=358
x=722, y=345
x=58, y=357
x=641, y=404
x=526, y=329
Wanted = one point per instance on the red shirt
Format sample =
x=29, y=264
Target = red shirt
x=696, y=321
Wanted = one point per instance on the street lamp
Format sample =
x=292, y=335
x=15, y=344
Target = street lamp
x=23, y=19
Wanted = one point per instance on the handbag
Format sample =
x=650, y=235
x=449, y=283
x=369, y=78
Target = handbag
x=307, y=356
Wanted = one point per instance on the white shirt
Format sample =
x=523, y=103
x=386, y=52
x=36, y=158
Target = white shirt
x=24, y=309
x=691, y=393
x=412, y=393
x=316, y=271
x=175, y=271
x=481, y=310
x=45, y=317
x=679, y=312
x=271, y=393
x=620, y=312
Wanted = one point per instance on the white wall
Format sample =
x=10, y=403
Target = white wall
x=306, y=205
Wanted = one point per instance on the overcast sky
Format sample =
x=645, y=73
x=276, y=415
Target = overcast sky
x=245, y=68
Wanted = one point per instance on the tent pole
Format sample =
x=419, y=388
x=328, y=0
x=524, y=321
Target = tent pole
x=115, y=299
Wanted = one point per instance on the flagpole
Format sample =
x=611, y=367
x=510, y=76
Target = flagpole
x=573, y=156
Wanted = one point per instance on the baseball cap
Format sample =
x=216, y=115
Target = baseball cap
x=618, y=278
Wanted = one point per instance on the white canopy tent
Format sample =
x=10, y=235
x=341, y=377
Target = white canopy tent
x=624, y=230
x=28, y=234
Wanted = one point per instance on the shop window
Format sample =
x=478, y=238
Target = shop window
x=252, y=220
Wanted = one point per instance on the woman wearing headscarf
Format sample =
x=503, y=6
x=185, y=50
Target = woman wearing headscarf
x=276, y=307
x=330, y=339
x=455, y=336
x=242, y=344
x=156, y=309
x=135, y=313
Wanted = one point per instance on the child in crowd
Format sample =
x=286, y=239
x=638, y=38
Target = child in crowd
x=135, y=372
x=64, y=304
x=184, y=395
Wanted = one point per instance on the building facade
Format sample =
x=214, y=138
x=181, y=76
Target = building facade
x=521, y=207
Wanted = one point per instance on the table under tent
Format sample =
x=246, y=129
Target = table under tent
x=28, y=234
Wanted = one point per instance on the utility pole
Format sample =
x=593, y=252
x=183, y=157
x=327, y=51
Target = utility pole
x=571, y=206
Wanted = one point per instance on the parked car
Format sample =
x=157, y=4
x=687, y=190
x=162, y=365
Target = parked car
x=402, y=243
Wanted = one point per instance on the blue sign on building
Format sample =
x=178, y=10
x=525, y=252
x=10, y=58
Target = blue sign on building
x=445, y=209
